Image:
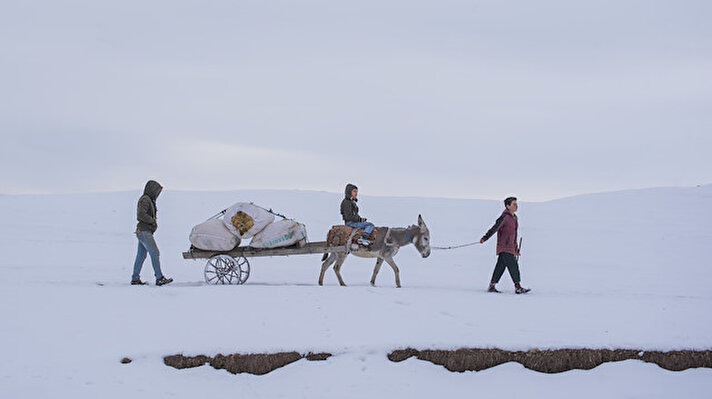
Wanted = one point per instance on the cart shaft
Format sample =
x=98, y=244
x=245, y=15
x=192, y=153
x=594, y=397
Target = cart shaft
x=248, y=252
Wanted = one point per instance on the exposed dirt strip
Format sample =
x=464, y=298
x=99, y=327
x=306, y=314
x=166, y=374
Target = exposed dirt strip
x=553, y=361
x=460, y=360
x=258, y=364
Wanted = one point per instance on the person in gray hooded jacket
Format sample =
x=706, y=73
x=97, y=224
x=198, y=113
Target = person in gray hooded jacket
x=349, y=212
x=147, y=225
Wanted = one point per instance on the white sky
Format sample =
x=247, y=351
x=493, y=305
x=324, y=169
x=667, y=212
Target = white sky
x=477, y=99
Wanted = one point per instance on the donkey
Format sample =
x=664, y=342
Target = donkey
x=386, y=245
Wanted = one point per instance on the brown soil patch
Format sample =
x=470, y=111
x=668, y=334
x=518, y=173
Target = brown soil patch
x=553, y=361
x=258, y=364
x=317, y=356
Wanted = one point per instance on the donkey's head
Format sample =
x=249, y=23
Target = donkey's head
x=422, y=238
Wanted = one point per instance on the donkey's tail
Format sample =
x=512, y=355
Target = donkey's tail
x=323, y=258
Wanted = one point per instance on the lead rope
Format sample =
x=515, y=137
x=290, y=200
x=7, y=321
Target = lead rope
x=456, y=246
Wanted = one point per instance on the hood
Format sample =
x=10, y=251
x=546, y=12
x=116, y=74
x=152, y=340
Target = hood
x=152, y=189
x=349, y=187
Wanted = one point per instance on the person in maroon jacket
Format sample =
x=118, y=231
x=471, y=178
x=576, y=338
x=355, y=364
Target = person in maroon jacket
x=507, y=250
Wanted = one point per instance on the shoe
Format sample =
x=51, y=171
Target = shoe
x=521, y=290
x=138, y=282
x=364, y=242
x=492, y=289
x=163, y=281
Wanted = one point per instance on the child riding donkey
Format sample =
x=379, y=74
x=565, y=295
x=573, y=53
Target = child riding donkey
x=386, y=242
x=349, y=211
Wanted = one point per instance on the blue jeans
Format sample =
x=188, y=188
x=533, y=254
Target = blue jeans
x=146, y=243
x=366, y=226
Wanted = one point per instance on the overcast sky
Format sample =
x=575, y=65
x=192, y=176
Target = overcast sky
x=446, y=98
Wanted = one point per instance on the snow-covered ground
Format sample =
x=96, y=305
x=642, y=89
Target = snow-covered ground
x=615, y=270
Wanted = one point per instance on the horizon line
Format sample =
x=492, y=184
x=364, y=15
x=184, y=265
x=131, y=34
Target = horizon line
x=483, y=198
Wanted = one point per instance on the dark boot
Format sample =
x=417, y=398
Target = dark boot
x=138, y=282
x=163, y=281
x=518, y=289
x=492, y=288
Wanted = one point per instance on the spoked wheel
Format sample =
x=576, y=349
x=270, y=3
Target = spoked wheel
x=224, y=269
x=244, y=266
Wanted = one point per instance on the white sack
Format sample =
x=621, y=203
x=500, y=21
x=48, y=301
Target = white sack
x=213, y=236
x=282, y=233
x=258, y=219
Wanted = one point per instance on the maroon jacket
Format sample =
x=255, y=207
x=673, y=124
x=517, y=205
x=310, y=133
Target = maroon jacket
x=506, y=228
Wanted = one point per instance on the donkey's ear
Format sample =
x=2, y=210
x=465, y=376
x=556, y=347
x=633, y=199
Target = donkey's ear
x=421, y=223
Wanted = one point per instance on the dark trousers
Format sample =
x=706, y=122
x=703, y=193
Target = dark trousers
x=508, y=261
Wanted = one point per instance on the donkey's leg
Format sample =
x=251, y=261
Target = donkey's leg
x=337, y=267
x=328, y=262
x=395, y=270
x=376, y=269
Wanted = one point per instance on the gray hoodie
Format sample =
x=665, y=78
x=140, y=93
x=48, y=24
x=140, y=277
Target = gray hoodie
x=146, y=209
x=349, y=209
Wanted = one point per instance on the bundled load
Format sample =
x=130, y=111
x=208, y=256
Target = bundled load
x=282, y=233
x=245, y=220
x=212, y=235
